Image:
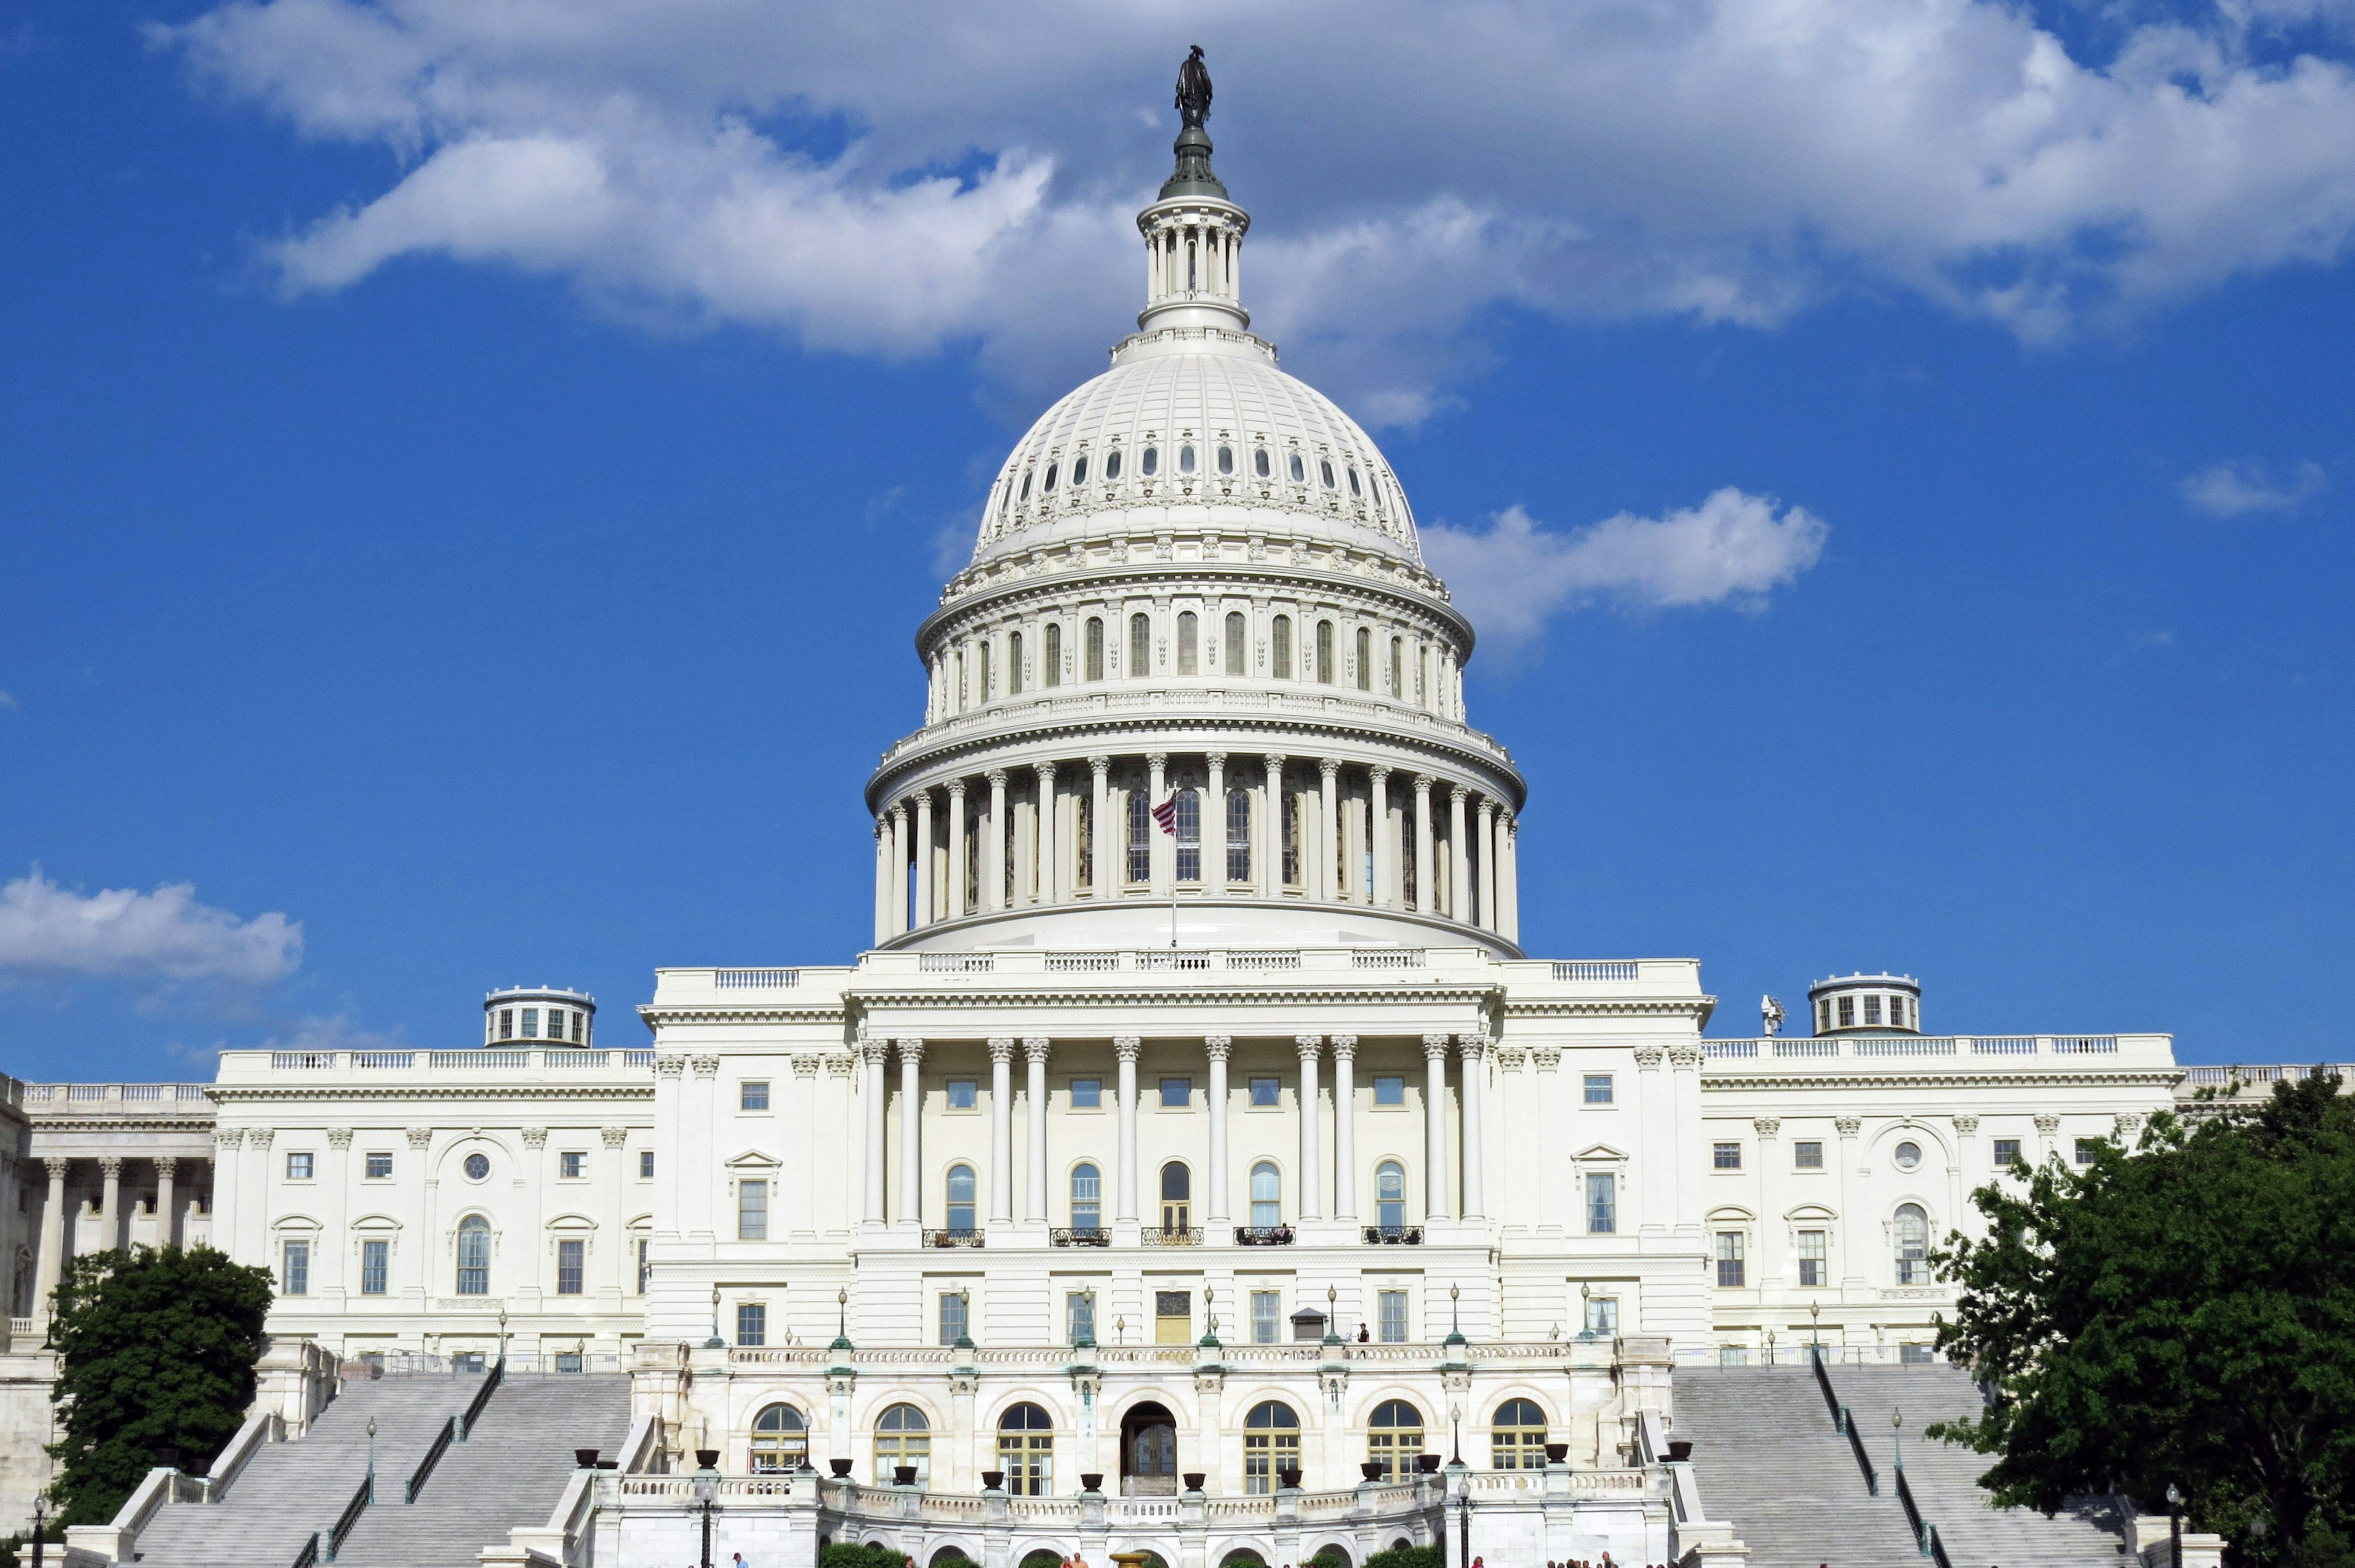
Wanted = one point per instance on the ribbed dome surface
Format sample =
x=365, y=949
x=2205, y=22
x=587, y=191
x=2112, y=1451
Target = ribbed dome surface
x=1197, y=418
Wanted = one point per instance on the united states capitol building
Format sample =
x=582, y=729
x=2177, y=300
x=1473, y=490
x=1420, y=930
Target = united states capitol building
x=1228, y=1183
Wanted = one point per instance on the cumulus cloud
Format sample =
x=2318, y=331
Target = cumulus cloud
x=967, y=174
x=162, y=937
x=1733, y=549
x=330, y=1032
x=2232, y=489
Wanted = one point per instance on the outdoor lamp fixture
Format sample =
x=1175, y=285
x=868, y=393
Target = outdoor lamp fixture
x=964, y=1312
x=1464, y=1515
x=1456, y=1417
x=1120, y=1330
x=2175, y=1526
x=1815, y=1325
x=40, y=1520
x=503, y=1332
x=371, y=1470
x=1770, y=1346
x=1897, y=1434
x=1087, y=1337
x=715, y=1342
x=1332, y=1322
x=842, y=1316
x=1585, y=1310
x=706, y=1487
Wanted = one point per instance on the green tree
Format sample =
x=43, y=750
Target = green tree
x=2183, y=1314
x=158, y=1347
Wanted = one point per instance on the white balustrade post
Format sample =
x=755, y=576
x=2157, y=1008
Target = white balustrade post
x=1473, y=1048
x=1345, y=1128
x=1001, y=1128
x=1126, y=1047
x=1434, y=1130
x=1426, y=897
x=1310, y=1188
x=1216, y=1048
x=1034, y=1052
x=911, y=1132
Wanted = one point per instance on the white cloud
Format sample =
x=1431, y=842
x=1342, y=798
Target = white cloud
x=8, y=702
x=337, y=1031
x=2230, y=489
x=1731, y=549
x=1412, y=166
x=47, y=931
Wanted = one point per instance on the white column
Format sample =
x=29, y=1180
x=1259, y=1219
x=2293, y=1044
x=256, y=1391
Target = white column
x=1216, y=1048
x=1309, y=1184
x=1001, y=1128
x=1034, y=1203
x=1345, y=1128
x=1378, y=812
x=1509, y=860
x=1214, y=827
x=1472, y=1048
x=1101, y=882
x=1051, y=863
x=1486, y=840
x=870, y=1092
x=1271, y=834
x=1329, y=815
x=1162, y=853
x=912, y=1150
x=1426, y=897
x=1459, y=857
x=166, y=1232
x=1126, y=1047
x=993, y=846
x=50, y=1266
x=883, y=931
x=900, y=850
x=110, y=1204
x=1434, y=1130
x=956, y=851
x=1657, y=1181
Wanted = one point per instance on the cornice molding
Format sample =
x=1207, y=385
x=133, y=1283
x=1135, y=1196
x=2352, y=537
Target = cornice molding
x=2155, y=1079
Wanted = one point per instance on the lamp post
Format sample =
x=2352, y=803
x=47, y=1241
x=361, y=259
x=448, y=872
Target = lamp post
x=1897, y=1434
x=1455, y=1419
x=1770, y=1346
x=1332, y=1318
x=502, y=1333
x=1585, y=1310
x=1086, y=1338
x=39, y=1521
x=2174, y=1526
x=371, y=1470
x=715, y=1342
x=1815, y=1327
x=706, y=1486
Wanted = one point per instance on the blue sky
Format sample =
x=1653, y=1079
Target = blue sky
x=465, y=500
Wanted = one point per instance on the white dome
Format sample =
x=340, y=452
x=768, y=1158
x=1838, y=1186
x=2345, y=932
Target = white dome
x=1204, y=392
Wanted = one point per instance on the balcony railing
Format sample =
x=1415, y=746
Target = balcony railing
x=1262, y=1235
x=1173, y=1236
x=1080, y=1236
x=962, y=1237
x=1394, y=1235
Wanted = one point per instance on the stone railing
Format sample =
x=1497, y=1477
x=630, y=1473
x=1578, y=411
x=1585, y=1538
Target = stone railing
x=115, y=1099
x=245, y=1065
x=1982, y=1052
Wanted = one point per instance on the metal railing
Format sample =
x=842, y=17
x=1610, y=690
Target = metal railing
x=1394, y=1235
x=441, y=1441
x=310, y=1552
x=482, y=1397
x=1843, y=1422
x=350, y=1515
x=962, y=1236
x=1262, y=1235
x=1080, y=1236
x=1925, y=1534
x=1173, y=1236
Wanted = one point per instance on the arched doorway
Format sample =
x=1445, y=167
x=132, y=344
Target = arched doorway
x=1149, y=1452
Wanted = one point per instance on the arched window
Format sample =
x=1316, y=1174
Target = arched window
x=1266, y=1196
x=1111, y=465
x=1083, y=840
x=1087, y=1199
x=1185, y=458
x=474, y=1256
x=959, y=1206
x=780, y=1440
x=1398, y=667
x=1014, y=663
x=1237, y=642
x=1151, y=461
x=1190, y=632
x=1279, y=639
x=1140, y=646
x=1325, y=471
x=1052, y=469
x=1912, y=1245
x=1140, y=838
x=1354, y=490
x=1079, y=471
x=1259, y=463
x=1188, y=814
x=1026, y=486
x=1389, y=1195
x=983, y=694
x=1177, y=1197
x=1095, y=647
x=1026, y=1451
x=1050, y=672
x=1239, y=867
x=1365, y=659
x=1270, y=1443
x=1396, y=1437
x=1299, y=474
x=1325, y=652
x=902, y=1437
x=1226, y=459
x=1516, y=1439
x=1291, y=836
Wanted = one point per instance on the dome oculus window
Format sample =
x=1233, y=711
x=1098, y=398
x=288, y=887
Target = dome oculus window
x=1908, y=1156
x=1079, y=470
x=1152, y=464
x=1259, y=463
x=477, y=1167
x=1185, y=459
x=1112, y=464
x=1299, y=474
x=1226, y=460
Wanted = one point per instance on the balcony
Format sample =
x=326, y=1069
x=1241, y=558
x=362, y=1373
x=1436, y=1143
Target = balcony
x=1173, y=1236
x=966, y=1237
x=1394, y=1235
x=1262, y=1235
x=1080, y=1236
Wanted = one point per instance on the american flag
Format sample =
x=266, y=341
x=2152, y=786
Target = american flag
x=1165, y=813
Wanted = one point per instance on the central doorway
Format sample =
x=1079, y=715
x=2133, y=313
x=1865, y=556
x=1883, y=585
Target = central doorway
x=1149, y=1452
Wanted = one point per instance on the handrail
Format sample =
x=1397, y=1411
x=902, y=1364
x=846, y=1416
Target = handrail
x=1824, y=1382
x=1843, y=1422
x=1913, y=1514
x=310, y=1552
x=1938, y=1550
x=432, y=1457
x=351, y=1515
x=482, y=1397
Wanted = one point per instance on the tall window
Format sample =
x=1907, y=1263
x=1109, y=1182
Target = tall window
x=1390, y=1317
x=1083, y=834
x=474, y=1256
x=1365, y=659
x=1291, y=837
x=1140, y=646
x=645, y=1262
x=1026, y=1451
x=1389, y=1195
x=1913, y=1230
x=376, y=1259
x=1811, y=1259
x=1190, y=629
x=1270, y=1444
x=1189, y=835
x=1140, y=836
x=752, y=1323
x=1603, y=1314
x=1050, y=671
x=1095, y=647
x=955, y=1318
x=1266, y=1315
x=780, y=1441
x=1325, y=652
x=1177, y=1197
x=902, y=1437
x=981, y=693
x=1237, y=649
x=960, y=1205
x=751, y=1210
x=1239, y=834
x=1395, y=1439
x=1279, y=643
x=294, y=1278
x=570, y=1256
x=1398, y=667
x=1080, y=1317
x=1266, y=1196
x=1602, y=1203
x=1087, y=1198
x=1517, y=1440
x=1728, y=1259
x=1014, y=663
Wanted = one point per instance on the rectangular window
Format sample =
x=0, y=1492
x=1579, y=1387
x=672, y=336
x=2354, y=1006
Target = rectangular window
x=1239, y=834
x=1140, y=648
x=2006, y=1151
x=965, y=1093
x=1080, y=1318
x=1603, y=1314
x=1267, y=1316
x=1897, y=1012
x=1390, y=1311
x=1291, y=839
x=1389, y=1089
x=1087, y=1094
x=751, y=1323
x=298, y=1167
x=1728, y=1259
x=645, y=1262
x=531, y=1023
x=751, y=1210
x=1847, y=1012
x=2086, y=1150
x=1266, y=1090
x=752, y=1097
x=1807, y=1155
x=1173, y=1316
x=1050, y=667
x=1872, y=1010
x=1725, y=1157
x=1177, y=1093
x=573, y=1165
x=1811, y=1259
x=380, y=1164
x=1598, y=1088
x=1823, y=1016
x=570, y=1256
x=1602, y=1204
x=295, y=1280
x=376, y=1260
x=507, y=1023
x=646, y=1164
x=953, y=1326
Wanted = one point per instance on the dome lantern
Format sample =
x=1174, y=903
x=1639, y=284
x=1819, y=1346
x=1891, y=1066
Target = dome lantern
x=538, y=1015
x=1193, y=233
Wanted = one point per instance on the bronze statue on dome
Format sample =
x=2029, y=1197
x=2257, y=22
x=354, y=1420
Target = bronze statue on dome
x=1194, y=89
